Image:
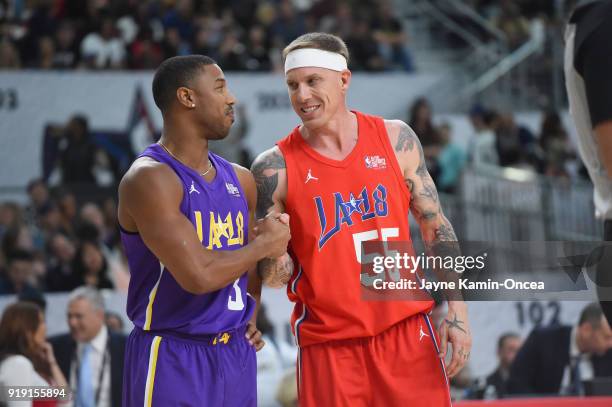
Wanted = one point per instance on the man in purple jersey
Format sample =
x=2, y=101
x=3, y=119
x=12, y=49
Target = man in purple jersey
x=186, y=218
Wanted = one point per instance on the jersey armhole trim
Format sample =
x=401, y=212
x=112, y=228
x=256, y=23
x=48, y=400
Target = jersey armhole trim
x=386, y=143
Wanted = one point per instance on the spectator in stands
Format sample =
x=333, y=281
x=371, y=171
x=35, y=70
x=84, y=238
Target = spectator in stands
x=512, y=23
x=62, y=252
x=142, y=17
x=93, y=229
x=26, y=358
x=41, y=23
x=421, y=122
x=46, y=53
x=90, y=267
x=363, y=48
x=265, y=15
x=289, y=24
x=92, y=214
x=391, y=38
x=555, y=146
x=507, y=142
x=9, y=56
x=20, y=274
x=202, y=42
x=10, y=216
x=232, y=53
x=113, y=322
x=496, y=384
x=450, y=160
x=145, y=53
x=173, y=45
x=66, y=47
x=181, y=17
x=91, y=356
x=104, y=49
x=556, y=360
x=76, y=158
x=16, y=238
x=49, y=220
x=257, y=56
x=109, y=211
x=68, y=210
x=38, y=192
x=340, y=22
x=483, y=154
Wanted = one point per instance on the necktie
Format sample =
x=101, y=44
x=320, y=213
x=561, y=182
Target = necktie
x=85, y=392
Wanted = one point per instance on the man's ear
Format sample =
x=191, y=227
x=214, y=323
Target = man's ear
x=345, y=79
x=185, y=97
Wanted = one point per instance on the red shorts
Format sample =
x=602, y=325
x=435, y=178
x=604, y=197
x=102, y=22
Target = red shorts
x=399, y=367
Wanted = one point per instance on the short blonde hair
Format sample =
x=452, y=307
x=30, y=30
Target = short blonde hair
x=324, y=41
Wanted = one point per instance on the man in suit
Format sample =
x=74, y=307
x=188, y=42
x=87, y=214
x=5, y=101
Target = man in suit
x=508, y=346
x=90, y=356
x=556, y=360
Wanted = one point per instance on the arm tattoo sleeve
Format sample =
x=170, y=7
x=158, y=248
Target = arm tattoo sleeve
x=266, y=181
x=438, y=234
x=276, y=272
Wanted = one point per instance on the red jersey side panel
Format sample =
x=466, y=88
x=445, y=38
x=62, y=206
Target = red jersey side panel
x=334, y=207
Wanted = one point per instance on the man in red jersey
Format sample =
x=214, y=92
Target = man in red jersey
x=346, y=177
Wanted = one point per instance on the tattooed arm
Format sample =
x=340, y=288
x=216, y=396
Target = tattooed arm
x=270, y=175
x=438, y=236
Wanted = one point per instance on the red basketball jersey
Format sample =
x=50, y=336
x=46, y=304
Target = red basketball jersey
x=334, y=207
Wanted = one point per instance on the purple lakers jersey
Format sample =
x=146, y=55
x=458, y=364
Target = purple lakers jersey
x=219, y=213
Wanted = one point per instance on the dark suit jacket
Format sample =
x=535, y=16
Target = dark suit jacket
x=496, y=380
x=65, y=347
x=539, y=365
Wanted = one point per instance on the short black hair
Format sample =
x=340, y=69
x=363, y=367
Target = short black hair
x=502, y=339
x=173, y=73
x=592, y=313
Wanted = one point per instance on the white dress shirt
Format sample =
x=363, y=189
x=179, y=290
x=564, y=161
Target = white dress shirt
x=99, y=349
x=584, y=364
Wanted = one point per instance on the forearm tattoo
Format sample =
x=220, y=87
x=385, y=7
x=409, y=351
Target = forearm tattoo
x=424, y=200
x=266, y=180
x=438, y=234
x=276, y=272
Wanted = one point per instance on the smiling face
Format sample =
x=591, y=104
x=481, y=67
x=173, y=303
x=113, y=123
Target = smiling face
x=84, y=320
x=317, y=93
x=214, y=103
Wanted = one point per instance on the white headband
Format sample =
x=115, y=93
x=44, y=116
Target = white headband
x=312, y=57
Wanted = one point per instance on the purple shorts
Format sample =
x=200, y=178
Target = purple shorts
x=167, y=370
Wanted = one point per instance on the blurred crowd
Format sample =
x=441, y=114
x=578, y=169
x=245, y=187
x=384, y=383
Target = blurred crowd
x=56, y=243
x=497, y=141
x=512, y=17
x=242, y=35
